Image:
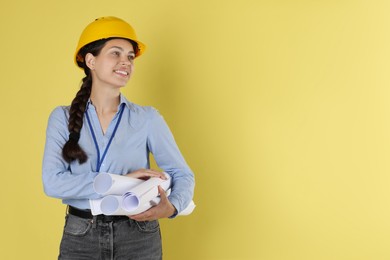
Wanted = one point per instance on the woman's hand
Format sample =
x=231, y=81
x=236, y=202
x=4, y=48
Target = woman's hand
x=145, y=174
x=164, y=209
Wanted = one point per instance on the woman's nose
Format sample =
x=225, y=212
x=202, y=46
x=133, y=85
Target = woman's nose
x=125, y=62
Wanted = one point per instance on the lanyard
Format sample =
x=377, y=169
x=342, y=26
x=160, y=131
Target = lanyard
x=100, y=161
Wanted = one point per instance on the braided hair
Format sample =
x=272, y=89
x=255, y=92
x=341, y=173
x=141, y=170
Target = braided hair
x=72, y=150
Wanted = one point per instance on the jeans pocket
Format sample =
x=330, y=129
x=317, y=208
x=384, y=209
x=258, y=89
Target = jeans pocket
x=76, y=226
x=148, y=226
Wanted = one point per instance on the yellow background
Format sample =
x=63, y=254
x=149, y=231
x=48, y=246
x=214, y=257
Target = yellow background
x=281, y=108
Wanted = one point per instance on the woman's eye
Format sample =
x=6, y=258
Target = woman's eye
x=131, y=57
x=116, y=53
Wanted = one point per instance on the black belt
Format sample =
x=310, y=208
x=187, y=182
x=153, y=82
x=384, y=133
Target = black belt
x=86, y=213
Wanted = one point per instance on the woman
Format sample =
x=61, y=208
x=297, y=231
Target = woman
x=104, y=132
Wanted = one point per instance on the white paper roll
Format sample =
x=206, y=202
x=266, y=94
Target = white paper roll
x=113, y=184
x=111, y=205
x=143, y=193
x=129, y=196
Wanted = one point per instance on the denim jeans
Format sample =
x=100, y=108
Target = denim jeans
x=123, y=239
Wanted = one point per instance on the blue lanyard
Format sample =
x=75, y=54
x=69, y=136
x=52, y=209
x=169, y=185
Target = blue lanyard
x=100, y=161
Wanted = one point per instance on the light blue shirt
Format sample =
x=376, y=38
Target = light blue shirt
x=141, y=131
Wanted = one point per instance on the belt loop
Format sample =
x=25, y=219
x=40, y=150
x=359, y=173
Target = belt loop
x=94, y=222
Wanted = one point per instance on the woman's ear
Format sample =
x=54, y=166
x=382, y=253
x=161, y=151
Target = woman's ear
x=90, y=61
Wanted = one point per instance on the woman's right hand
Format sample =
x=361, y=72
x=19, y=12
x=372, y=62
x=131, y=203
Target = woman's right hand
x=145, y=174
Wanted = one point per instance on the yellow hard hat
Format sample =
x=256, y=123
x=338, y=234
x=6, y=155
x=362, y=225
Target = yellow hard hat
x=107, y=27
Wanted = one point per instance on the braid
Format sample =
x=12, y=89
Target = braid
x=72, y=150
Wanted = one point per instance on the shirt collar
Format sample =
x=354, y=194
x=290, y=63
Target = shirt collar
x=122, y=100
x=130, y=105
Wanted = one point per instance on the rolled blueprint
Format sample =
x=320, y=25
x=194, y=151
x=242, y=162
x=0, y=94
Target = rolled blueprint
x=111, y=205
x=129, y=196
x=107, y=183
x=143, y=193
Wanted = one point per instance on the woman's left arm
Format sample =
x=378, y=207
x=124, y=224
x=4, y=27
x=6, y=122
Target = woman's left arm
x=168, y=157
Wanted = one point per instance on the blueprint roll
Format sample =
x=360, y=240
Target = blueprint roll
x=111, y=205
x=143, y=193
x=113, y=184
x=145, y=206
x=124, y=195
